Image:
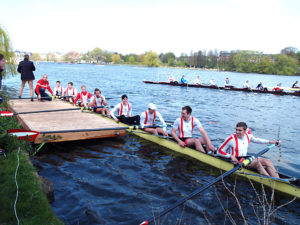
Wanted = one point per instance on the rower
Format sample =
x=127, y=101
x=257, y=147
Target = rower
x=98, y=100
x=41, y=87
x=148, y=119
x=235, y=147
x=182, y=80
x=277, y=87
x=124, y=110
x=70, y=92
x=227, y=82
x=84, y=97
x=260, y=86
x=171, y=79
x=212, y=81
x=246, y=85
x=197, y=80
x=295, y=85
x=58, y=89
x=185, y=126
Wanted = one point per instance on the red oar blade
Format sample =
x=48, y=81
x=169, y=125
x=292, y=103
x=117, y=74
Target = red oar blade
x=145, y=223
x=6, y=113
x=24, y=134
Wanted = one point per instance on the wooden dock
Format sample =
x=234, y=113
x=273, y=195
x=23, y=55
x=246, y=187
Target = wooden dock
x=62, y=125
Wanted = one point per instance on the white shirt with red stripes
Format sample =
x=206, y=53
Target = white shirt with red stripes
x=238, y=147
x=122, y=109
x=148, y=119
x=186, y=128
x=98, y=101
x=71, y=92
x=58, y=90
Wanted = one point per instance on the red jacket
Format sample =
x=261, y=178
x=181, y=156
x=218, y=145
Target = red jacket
x=42, y=84
x=83, y=96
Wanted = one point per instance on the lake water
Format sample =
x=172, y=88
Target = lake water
x=122, y=180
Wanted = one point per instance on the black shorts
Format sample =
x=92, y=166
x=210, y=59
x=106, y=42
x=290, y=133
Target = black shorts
x=185, y=140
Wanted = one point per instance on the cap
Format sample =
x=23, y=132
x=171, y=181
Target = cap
x=151, y=106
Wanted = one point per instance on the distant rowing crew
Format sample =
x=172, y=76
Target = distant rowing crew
x=228, y=84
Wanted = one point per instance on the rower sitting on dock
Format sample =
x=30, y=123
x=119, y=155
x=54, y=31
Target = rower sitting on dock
x=41, y=87
x=70, y=92
x=84, y=97
x=295, y=85
x=185, y=126
x=197, y=80
x=246, y=85
x=235, y=147
x=98, y=100
x=182, y=80
x=58, y=89
x=124, y=110
x=148, y=118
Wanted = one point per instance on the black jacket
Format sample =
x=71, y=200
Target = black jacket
x=25, y=68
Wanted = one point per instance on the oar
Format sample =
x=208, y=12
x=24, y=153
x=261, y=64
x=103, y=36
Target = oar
x=8, y=113
x=196, y=192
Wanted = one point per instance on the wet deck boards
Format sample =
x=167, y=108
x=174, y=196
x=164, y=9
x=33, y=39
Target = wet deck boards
x=62, y=121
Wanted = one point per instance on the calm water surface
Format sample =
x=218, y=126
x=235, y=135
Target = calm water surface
x=122, y=180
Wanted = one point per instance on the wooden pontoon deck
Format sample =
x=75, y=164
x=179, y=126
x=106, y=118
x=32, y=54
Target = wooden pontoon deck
x=62, y=125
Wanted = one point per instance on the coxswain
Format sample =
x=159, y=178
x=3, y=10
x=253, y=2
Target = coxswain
x=212, y=81
x=98, y=100
x=41, y=87
x=58, y=89
x=277, y=87
x=124, y=110
x=84, y=97
x=182, y=80
x=185, y=125
x=235, y=147
x=148, y=119
x=246, y=85
x=70, y=92
x=197, y=80
x=260, y=86
x=295, y=85
x=171, y=79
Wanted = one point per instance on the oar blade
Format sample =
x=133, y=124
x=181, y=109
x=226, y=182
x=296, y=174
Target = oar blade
x=24, y=134
x=6, y=113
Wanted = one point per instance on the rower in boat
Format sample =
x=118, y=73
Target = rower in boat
x=41, y=87
x=148, y=118
x=124, y=110
x=277, y=87
x=212, y=81
x=171, y=79
x=295, y=85
x=246, y=85
x=260, y=86
x=98, y=100
x=84, y=97
x=182, y=80
x=58, y=89
x=185, y=126
x=227, y=83
x=235, y=147
x=197, y=80
x=70, y=92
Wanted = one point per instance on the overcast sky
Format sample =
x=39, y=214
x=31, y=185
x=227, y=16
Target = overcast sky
x=137, y=26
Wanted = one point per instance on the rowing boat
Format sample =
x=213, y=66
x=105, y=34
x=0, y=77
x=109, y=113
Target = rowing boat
x=285, y=185
x=229, y=88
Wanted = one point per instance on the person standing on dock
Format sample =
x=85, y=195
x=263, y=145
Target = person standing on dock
x=182, y=80
x=148, y=119
x=84, y=97
x=2, y=63
x=41, y=87
x=185, y=125
x=246, y=85
x=58, y=89
x=197, y=80
x=70, y=93
x=26, y=69
x=98, y=100
x=235, y=147
x=124, y=110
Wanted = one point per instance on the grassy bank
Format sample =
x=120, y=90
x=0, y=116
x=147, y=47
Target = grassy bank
x=32, y=205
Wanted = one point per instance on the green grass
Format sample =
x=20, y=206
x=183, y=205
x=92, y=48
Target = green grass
x=32, y=206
